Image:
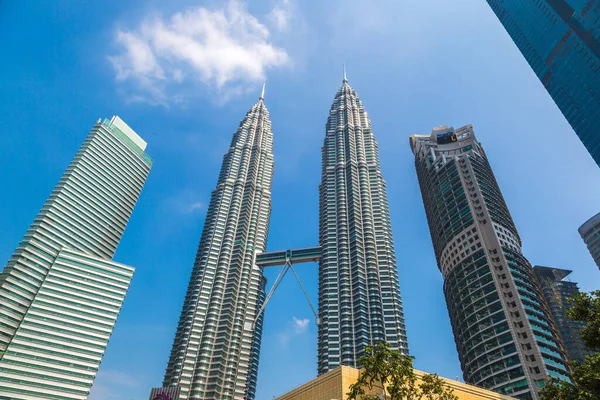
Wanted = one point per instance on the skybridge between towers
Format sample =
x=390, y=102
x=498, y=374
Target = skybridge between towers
x=294, y=256
x=286, y=258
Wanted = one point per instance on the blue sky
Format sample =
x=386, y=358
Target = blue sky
x=183, y=74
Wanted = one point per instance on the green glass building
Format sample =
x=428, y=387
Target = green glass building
x=504, y=333
x=216, y=347
x=61, y=293
x=560, y=39
x=359, y=289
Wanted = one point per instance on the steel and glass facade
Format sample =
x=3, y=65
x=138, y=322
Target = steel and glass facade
x=216, y=348
x=558, y=291
x=359, y=291
x=590, y=233
x=560, y=39
x=504, y=333
x=61, y=293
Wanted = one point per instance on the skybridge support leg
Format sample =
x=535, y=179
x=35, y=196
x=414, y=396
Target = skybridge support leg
x=305, y=295
x=287, y=266
x=278, y=280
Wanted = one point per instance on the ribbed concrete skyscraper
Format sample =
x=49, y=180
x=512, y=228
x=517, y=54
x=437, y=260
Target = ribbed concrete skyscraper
x=504, y=332
x=359, y=291
x=216, y=347
x=61, y=293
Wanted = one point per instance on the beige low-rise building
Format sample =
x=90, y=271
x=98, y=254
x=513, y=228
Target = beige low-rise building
x=335, y=384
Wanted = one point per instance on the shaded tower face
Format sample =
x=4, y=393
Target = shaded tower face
x=560, y=41
x=558, y=291
x=215, y=351
x=504, y=333
x=61, y=293
x=359, y=292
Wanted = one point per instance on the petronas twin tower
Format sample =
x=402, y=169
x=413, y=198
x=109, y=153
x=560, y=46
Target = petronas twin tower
x=359, y=292
x=216, y=349
x=214, y=355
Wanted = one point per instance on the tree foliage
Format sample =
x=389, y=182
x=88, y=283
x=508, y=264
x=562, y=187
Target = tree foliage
x=586, y=376
x=384, y=368
x=586, y=308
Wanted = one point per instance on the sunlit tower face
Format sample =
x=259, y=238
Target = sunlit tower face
x=359, y=291
x=216, y=348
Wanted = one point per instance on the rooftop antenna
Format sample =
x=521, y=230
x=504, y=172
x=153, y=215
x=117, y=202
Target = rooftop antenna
x=262, y=94
x=345, y=79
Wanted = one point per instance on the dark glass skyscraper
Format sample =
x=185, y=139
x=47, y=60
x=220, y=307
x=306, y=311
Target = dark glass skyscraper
x=359, y=291
x=504, y=333
x=557, y=291
x=216, y=347
x=560, y=40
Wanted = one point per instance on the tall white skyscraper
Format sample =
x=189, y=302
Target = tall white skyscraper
x=61, y=293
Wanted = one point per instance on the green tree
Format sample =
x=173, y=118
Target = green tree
x=586, y=376
x=386, y=368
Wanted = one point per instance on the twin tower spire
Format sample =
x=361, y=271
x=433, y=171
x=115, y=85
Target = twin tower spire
x=262, y=93
x=216, y=349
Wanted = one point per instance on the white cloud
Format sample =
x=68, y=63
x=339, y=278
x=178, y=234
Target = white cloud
x=300, y=325
x=281, y=15
x=140, y=58
x=184, y=202
x=226, y=49
x=195, y=207
x=293, y=328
